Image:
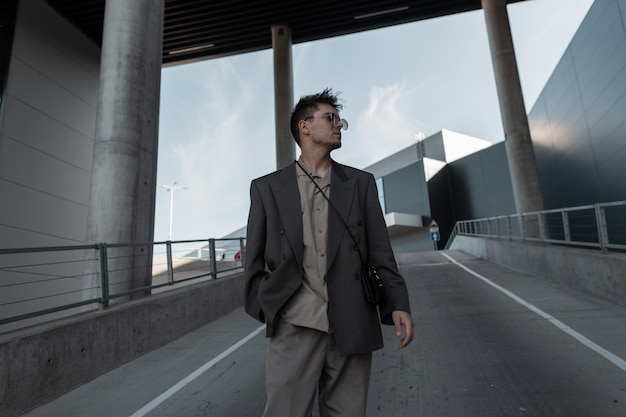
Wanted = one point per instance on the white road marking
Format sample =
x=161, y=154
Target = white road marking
x=195, y=374
x=616, y=360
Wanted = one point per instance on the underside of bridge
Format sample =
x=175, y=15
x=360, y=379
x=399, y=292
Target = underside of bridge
x=201, y=29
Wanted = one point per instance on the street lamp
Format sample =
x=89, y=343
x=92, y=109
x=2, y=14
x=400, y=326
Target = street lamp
x=170, y=189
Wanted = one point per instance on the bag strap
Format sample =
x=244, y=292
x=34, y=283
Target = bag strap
x=334, y=209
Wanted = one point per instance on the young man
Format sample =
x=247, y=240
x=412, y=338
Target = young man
x=302, y=272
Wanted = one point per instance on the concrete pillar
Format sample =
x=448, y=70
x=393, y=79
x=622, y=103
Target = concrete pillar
x=519, y=147
x=283, y=94
x=123, y=186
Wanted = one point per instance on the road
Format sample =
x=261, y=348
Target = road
x=490, y=342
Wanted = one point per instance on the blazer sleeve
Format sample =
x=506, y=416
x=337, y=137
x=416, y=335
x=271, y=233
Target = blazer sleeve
x=254, y=267
x=380, y=255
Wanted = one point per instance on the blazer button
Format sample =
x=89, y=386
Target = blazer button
x=360, y=222
x=282, y=231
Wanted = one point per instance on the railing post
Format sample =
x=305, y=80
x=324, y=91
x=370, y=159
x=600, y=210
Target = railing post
x=542, y=229
x=566, y=233
x=170, y=264
x=243, y=251
x=509, y=227
x=104, y=275
x=213, y=258
x=603, y=235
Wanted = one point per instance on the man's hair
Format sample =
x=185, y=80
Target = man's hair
x=307, y=105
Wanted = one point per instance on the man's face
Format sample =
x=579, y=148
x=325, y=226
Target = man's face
x=326, y=130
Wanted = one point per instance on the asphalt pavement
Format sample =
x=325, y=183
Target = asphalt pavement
x=490, y=342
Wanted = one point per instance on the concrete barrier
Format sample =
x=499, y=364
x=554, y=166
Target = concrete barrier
x=587, y=270
x=41, y=362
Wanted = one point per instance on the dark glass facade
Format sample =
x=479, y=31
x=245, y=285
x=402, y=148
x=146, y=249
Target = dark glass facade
x=578, y=123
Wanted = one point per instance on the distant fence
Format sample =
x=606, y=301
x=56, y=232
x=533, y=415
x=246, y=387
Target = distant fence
x=601, y=226
x=40, y=284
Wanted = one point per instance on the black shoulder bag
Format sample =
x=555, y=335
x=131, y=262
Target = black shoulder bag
x=372, y=284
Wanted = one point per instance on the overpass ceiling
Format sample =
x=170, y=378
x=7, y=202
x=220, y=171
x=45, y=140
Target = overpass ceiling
x=202, y=29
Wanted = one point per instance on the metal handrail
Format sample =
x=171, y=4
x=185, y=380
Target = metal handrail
x=601, y=226
x=42, y=283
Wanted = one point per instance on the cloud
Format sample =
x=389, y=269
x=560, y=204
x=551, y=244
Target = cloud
x=386, y=125
x=213, y=158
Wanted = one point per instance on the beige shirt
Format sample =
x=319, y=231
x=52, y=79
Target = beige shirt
x=309, y=305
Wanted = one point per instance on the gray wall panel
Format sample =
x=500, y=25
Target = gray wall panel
x=554, y=92
x=582, y=40
x=48, y=215
x=68, y=182
x=406, y=190
x=58, y=66
x=47, y=130
x=608, y=92
x=614, y=171
x=480, y=184
x=600, y=44
x=52, y=29
x=610, y=132
x=35, y=89
x=42, y=132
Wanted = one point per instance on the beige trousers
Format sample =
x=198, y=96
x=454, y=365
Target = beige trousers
x=301, y=361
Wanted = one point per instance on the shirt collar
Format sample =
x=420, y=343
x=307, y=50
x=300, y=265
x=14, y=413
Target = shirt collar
x=299, y=172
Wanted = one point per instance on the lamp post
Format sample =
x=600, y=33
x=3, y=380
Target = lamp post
x=170, y=189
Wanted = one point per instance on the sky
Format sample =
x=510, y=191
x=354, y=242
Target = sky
x=216, y=128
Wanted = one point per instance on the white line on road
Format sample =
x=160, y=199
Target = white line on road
x=619, y=362
x=195, y=374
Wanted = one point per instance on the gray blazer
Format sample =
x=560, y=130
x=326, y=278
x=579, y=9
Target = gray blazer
x=274, y=254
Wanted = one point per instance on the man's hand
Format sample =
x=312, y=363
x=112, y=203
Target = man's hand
x=402, y=318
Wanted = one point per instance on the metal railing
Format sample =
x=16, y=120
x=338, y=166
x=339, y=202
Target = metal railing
x=601, y=226
x=41, y=284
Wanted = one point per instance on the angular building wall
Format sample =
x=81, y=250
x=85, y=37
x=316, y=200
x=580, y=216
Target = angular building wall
x=405, y=191
x=578, y=123
x=407, y=179
x=47, y=130
x=480, y=185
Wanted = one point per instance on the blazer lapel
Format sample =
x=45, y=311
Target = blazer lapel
x=287, y=199
x=342, y=191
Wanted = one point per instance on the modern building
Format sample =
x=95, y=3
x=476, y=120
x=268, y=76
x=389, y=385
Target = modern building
x=404, y=186
x=578, y=128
